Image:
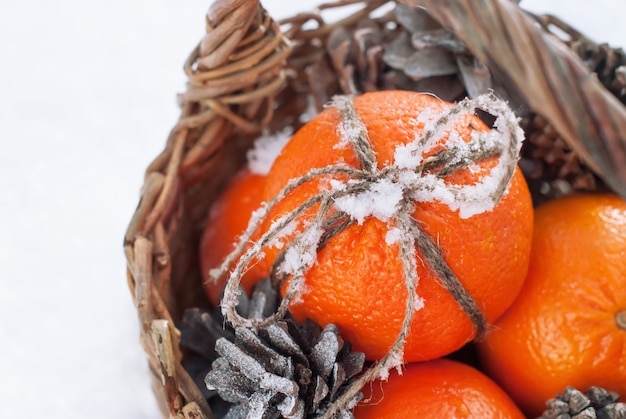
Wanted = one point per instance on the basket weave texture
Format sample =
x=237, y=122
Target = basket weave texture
x=249, y=73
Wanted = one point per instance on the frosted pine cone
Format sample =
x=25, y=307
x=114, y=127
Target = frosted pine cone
x=593, y=403
x=282, y=370
x=200, y=329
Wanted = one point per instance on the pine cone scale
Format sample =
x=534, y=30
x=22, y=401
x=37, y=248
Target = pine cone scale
x=279, y=337
x=594, y=403
x=266, y=356
x=244, y=363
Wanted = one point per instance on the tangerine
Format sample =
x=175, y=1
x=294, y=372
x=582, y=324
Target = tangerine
x=568, y=325
x=357, y=281
x=436, y=389
x=227, y=219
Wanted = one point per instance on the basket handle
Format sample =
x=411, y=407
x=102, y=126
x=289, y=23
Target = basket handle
x=547, y=74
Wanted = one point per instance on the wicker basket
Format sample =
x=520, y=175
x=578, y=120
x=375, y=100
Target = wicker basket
x=250, y=73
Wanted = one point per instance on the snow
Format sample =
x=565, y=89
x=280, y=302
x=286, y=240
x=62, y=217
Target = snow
x=88, y=97
x=348, y=131
x=280, y=239
x=265, y=150
x=302, y=254
x=396, y=361
x=279, y=384
x=381, y=199
x=394, y=235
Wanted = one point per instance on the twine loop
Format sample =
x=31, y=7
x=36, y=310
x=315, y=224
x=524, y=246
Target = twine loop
x=418, y=174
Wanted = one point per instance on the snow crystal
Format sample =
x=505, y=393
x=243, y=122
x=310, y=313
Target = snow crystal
x=310, y=112
x=265, y=150
x=278, y=240
x=349, y=129
x=351, y=405
x=346, y=133
x=405, y=155
x=300, y=289
x=302, y=254
x=380, y=199
x=337, y=185
x=258, y=215
x=468, y=200
x=425, y=116
x=277, y=383
x=418, y=303
x=394, y=360
x=394, y=235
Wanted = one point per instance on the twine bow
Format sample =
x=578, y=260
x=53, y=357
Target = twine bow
x=418, y=174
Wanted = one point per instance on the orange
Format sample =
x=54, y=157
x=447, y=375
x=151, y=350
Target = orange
x=568, y=326
x=436, y=389
x=358, y=280
x=226, y=221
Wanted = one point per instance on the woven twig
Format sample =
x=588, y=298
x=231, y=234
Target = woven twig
x=245, y=75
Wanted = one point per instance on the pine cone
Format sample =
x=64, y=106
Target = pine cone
x=200, y=329
x=282, y=370
x=593, y=403
x=269, y=375
x=420, y=55
x=608, y=63
x=552, y=167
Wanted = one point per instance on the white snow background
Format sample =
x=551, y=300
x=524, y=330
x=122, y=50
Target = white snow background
x=87, y=98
